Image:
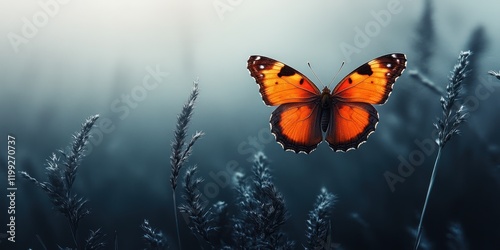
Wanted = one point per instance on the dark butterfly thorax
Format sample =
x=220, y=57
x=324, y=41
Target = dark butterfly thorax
x=326, y=108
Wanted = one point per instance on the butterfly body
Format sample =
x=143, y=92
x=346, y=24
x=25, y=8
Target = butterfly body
x=304, y=113
x=326, y=106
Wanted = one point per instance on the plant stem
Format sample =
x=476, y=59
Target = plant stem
x=41, y=242
x=73, y=233
x=176, y=221
x=116, y=241
x=429, y=189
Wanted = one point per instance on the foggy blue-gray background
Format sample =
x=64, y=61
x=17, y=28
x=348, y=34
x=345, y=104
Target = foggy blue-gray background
x=86, y=55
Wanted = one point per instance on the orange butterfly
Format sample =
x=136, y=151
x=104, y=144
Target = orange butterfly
x=346, y=114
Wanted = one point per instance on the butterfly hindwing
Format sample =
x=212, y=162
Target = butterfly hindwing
x=280, y=83
x=350, y=125
x=371, y=82
x=297, y=126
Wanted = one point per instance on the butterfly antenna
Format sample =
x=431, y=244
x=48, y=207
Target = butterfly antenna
x=341, y=66
x=334, y=77
x=314, y=73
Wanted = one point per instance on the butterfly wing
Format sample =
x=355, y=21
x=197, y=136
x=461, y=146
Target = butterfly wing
x=353, y=118
x=296, y=122
x=371, y=82
x=280, y=83
x=350, y=125
x=297, y=126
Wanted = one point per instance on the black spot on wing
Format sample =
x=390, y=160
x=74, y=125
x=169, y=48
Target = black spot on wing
x=286, y=71
x=365, y=69
x=301, y=81
x=350, y=80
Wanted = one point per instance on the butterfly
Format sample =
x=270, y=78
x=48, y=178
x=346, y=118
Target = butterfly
x=345, y=114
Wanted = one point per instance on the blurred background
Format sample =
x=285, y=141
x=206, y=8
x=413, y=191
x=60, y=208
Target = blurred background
x=134, y=63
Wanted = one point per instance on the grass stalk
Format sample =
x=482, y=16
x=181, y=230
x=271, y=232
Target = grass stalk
x=429, y=189
x=181, y=150
x=454, y=115
x=176, y=222
x=61, y=174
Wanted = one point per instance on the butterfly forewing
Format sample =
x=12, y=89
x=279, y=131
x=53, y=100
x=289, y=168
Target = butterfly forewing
x=371, y=82
x=280, y=83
